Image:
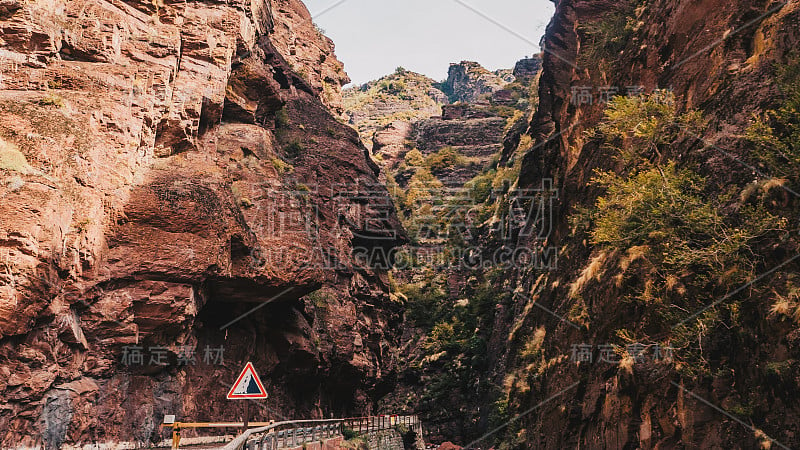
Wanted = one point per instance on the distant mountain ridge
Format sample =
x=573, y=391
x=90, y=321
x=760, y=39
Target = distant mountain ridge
x=409, y=96
x=402, y=95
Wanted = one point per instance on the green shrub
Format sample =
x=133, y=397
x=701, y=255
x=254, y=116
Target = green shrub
x=662, y=206
x=639, y=129
x=282, y=119
x=506, y=112
x=392, y=87
x=414, y=158
x=447, y=158
x=321, y=298
x=780, y=368
x=657, y=204
x=422, y=189
x=775, y=135
x=294, y=148
x=281, y=166
x=667, y=210
x=402, y=429
x=12, y=159
x=52, y=99
x=499, y=415
x=604, y=38
x=440, y=337
x=349, y=433
x=480, y=187
x=425, y=301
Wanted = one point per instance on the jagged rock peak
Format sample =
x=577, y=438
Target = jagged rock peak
x=527, y=68
x=468, y=81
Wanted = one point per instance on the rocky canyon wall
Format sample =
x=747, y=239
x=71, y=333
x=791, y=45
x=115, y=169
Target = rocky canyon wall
x=177, y=198
x=723, y=60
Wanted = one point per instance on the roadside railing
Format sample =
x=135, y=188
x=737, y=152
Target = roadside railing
x=362, y=425
x=298, y=432
x=286, y=434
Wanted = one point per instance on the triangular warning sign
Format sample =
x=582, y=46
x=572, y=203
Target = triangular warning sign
x=248, y=385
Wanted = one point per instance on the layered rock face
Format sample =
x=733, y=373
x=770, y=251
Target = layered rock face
x=405, y=111
x=176, y=199
x=719, y=57
x=474, y=132
x=468, y=81
x=308, y=51
x=468, y=128
x=527, y=68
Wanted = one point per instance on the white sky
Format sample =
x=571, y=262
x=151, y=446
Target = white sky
x=373, y=37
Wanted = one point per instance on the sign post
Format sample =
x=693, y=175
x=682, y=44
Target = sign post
x=247, y=386
x=246, y=414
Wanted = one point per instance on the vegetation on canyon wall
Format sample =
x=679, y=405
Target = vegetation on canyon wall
x=682, y=235
x=775, y=134
x=656, y=248
x=605, y=36
x=677, y=244
x=451, y=195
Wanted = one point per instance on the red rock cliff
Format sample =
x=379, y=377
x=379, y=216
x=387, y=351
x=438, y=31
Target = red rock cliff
x=165, y=167
x=720, y=57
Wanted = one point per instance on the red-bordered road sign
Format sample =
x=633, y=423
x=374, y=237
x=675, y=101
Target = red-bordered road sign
x=248, y=385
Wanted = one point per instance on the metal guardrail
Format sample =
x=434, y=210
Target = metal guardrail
x=298, y=432
x=362, y=425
